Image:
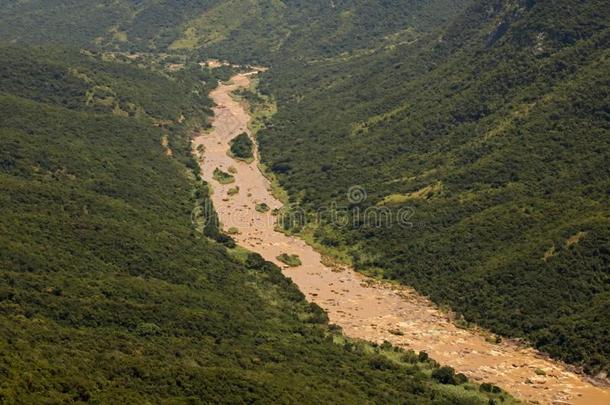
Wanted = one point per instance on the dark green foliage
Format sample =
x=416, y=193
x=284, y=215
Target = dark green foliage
x=243, y=31
x=109, y=294
x=382, y=363
x=318, y=315
x=410, y=357
x=505, y=118
x=486, y=387
x=445, y=375
x=144, y=24
x=255, y=261
x=242, y=147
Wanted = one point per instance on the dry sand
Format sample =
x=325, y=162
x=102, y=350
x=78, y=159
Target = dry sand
x=366, y=308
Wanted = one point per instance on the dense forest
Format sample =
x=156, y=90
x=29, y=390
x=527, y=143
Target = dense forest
x=494, y=132
x=489, y=120
x=242, y=31
x=109, y=290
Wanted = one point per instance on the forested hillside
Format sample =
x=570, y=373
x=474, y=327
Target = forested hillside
x=488, y=119
x=109, y=292
x=142, y=25
x=239, y=30
x=495, y=133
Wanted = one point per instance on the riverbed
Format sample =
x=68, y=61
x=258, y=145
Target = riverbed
x=366, y=308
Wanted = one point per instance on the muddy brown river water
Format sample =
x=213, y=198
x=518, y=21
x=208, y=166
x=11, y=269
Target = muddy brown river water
x=363, y=307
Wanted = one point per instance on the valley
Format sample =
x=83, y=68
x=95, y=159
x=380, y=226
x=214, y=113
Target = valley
x=407, y=204
x=366, y=308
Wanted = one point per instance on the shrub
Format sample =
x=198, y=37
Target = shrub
x=423, y=356
x=410, y=357
x=380, y=362
x=444, y=375
x=255, y=261
x=242, y=147
x=223, y=177
x=290, y=260
x=318, y=315
x=262, y=207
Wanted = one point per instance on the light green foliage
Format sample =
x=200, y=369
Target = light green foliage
x=223, y=177
x=233, y=231
x=290, y=260
x=262, y=207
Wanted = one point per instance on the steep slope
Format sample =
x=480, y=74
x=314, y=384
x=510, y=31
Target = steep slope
x=108, y=293
x=495, y=134
x=239, y=30
x=487, y=119
x=147, y=24
x=266, y=30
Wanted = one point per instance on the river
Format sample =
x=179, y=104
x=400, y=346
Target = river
x=366, y=308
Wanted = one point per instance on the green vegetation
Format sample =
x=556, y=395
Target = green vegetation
x=493, y=132
x=223, y=177
x=242, y=148
x=446, y=375
x=142, y=25
x=289, y=260
x=109, y=291
x=539, y=371
x=233, y=191
x=261, y=107
x=486, y=119
x=236, y=30
x=262, y=207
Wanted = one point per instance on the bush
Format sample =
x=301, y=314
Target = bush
x=242, y=147
x=410, y=357
x=255, y=261
x=262, y=208
x=318, y=315
x=423, y=356
x=223, y=177
x=445, y=375
x=290, y=260
x=380, y=362
x=461, y=379
x=486, y=387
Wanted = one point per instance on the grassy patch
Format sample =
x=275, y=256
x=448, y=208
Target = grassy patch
x=223, y=177
x=290, y=260
x=421, y=194
x=262, y=207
